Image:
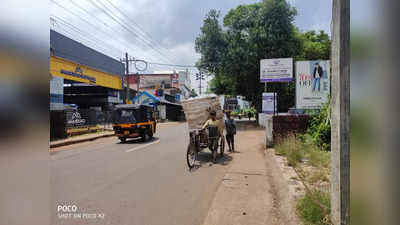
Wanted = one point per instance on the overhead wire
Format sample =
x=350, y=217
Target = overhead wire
x=87, y=35
x=128, y=45
x=83, y=19
x=139, y=28
x=139, y=31
x=93, y=40
x=127, y=28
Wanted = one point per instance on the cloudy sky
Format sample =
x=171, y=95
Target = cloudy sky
x=163, y=31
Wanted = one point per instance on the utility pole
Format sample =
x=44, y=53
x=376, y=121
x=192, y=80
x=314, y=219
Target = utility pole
x=137, y=82
x=127, y=77
x=200, y=77
x=340, y=111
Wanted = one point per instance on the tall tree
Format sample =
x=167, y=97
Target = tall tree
x=232, y=51
x=315, y=46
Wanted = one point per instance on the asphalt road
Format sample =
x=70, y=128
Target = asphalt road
x=133, y=183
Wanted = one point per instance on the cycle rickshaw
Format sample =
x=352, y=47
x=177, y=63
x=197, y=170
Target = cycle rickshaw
x=197, y=113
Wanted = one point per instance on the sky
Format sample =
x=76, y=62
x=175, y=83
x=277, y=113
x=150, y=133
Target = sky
x=163, y=31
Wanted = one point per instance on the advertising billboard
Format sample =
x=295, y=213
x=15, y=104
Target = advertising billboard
x=312, y=83
x=276, y=70
x=268, y=103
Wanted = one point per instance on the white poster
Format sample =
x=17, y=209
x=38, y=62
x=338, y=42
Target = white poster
x=268, y=102
x=312, y=84
x=276, y=70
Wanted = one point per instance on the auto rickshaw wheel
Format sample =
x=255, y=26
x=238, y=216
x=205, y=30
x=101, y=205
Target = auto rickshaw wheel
x=122, y=139
x=146, y=135
x=150, y=133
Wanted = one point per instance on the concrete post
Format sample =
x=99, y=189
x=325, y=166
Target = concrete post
x=340, y=154
x=268, y=120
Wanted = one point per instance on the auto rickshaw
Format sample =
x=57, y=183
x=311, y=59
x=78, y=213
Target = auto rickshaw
x=133, y=121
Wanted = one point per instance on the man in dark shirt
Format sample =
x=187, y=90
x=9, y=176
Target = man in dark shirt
x=230, y=127
x=317, y=75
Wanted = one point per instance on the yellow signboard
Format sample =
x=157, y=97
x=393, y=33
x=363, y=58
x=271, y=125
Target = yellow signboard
x=72, y=71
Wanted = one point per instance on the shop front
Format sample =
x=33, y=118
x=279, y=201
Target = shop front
x=84, y=87
x=82, y=76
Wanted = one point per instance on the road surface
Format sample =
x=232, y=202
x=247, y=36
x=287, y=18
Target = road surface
x=133, y=183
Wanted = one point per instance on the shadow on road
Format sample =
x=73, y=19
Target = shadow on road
x=205, y=159
x=138, y=140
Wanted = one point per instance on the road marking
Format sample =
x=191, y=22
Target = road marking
x=142, y=146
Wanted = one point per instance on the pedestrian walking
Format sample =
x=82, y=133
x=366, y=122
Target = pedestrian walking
x=230, y=127
x=249, y=114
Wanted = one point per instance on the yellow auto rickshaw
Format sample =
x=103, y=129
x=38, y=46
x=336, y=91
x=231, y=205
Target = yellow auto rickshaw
x=133, y=121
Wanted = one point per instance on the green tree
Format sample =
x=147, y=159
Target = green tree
x=314, y=46
x=232, y=50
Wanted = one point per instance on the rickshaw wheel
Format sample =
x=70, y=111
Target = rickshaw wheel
x=222, y=147
x=191, y=155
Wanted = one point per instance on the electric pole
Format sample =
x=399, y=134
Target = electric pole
x=127, y=77
x=200, y=77
x=340, y=152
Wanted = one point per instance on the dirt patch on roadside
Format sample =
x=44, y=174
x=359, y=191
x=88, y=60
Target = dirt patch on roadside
x=284, y=203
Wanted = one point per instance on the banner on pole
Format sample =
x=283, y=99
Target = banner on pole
x=276, y=70
x=268, y=103
x=312, y=84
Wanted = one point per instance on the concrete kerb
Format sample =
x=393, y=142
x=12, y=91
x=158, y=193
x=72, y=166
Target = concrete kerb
x=78, y=140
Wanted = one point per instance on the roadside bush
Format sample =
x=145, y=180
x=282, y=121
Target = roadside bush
x=319, y=158
x=297, y=148
x=292, y=148
x=234, y=114
x=251, y=110
x=320, y=128
x=311, y=212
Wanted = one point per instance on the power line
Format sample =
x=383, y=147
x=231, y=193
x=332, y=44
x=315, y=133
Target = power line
x=164, y=64
x=124, y=26
x=84, y=20
x=144, y=33
x=85, y=34
x=82, y=38
x=94, y=40
x=92, y=25
x=139, y=31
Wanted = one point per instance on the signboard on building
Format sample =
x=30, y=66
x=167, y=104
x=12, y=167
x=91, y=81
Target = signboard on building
x=269, y=103
x=276, y=70
x=151, y=80
x=312, y=84
x=72, y=71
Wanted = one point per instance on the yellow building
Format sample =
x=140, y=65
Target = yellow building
x=83, y=76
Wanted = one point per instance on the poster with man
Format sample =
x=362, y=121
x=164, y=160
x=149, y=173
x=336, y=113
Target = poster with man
x=312, y=83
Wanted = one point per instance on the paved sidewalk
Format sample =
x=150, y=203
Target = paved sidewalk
x=81, y=138
x=252, y=191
